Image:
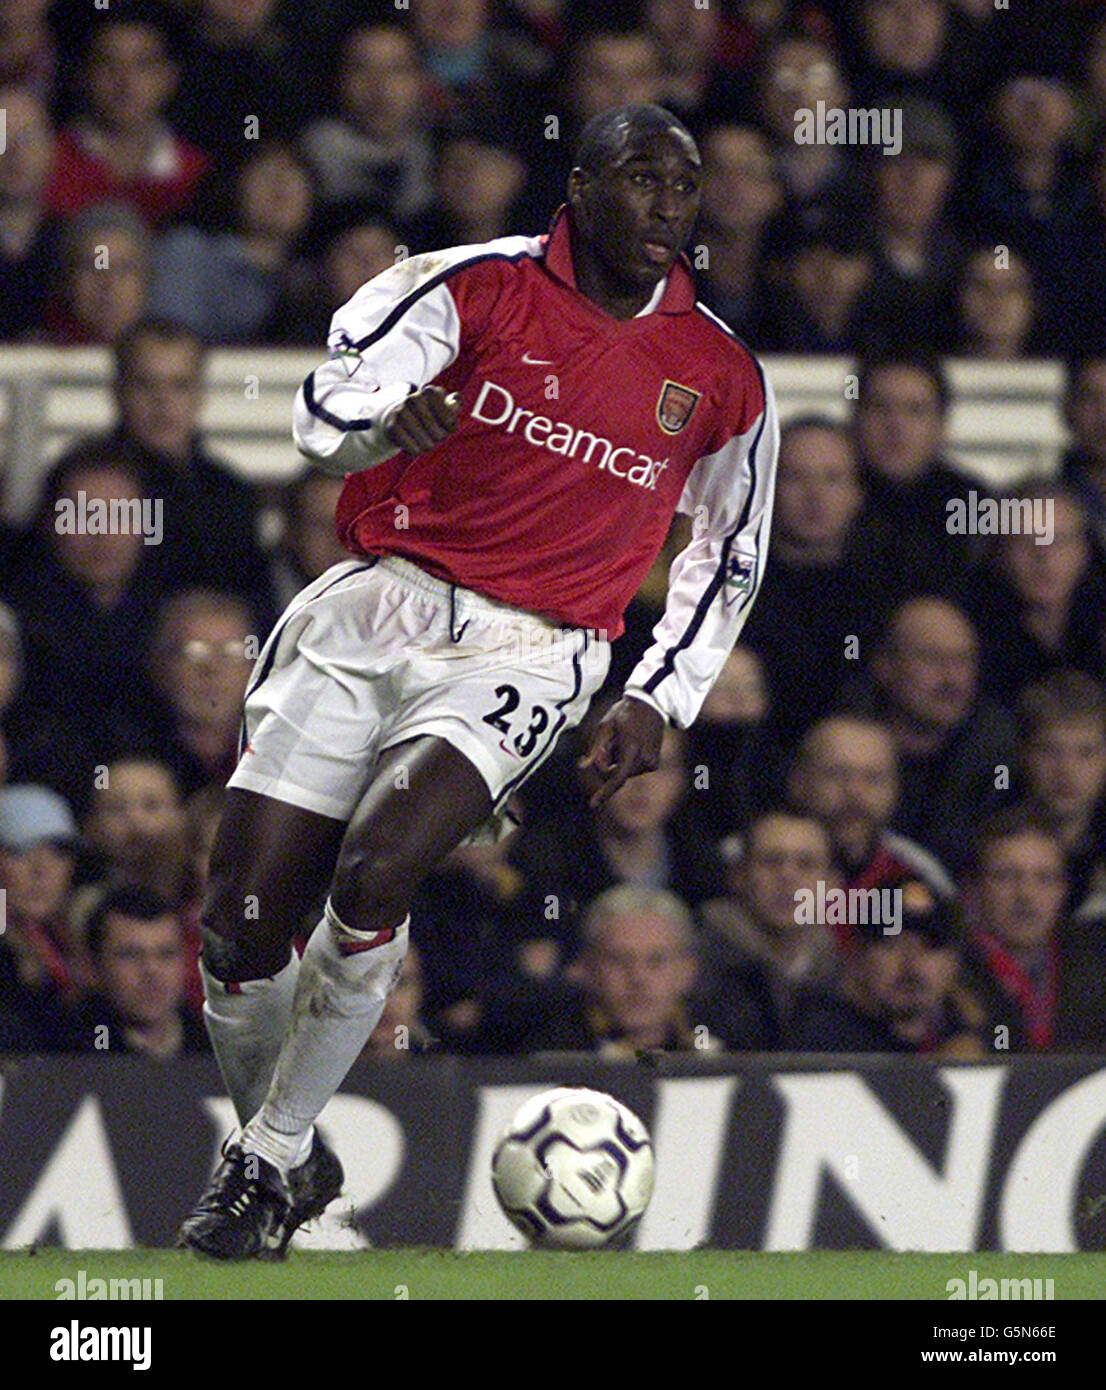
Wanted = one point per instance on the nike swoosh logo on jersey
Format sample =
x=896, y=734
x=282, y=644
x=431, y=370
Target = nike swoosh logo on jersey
x=536, y=361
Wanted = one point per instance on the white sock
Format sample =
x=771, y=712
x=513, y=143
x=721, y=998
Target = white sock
x=246, y=1024
x=345, y=978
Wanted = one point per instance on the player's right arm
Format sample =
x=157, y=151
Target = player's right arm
x=373, y=396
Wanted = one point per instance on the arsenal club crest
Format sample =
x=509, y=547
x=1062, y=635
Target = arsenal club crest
x=674, y=406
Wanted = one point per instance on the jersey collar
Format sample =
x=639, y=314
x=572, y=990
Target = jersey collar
x=674, y=295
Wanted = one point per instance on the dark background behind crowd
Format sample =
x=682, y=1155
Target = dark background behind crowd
x=915, y=718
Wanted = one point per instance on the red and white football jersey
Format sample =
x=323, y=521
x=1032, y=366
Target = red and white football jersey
x=580, y=437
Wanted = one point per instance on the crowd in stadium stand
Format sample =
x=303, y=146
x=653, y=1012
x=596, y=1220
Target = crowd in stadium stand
x=916, y=713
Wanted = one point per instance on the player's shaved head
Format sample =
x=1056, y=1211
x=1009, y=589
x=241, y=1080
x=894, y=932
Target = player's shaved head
x=610, y=138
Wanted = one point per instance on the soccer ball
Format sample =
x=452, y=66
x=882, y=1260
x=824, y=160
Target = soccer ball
x=574, y=1169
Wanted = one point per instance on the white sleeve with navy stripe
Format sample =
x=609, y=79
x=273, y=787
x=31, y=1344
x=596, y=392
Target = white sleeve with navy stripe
x=397, y=333
x=713, y=582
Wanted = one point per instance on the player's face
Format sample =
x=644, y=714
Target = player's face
x=1066, y=766
x=141, y=967
x=161, y=394
x=785, y=854
x=637, y=214
x=1020, y=890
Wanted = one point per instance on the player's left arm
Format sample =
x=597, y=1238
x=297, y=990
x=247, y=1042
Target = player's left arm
x=712, y=585
x=714, y=580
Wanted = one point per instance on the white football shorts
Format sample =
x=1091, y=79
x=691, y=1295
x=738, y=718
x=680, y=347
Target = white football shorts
x=376, y=651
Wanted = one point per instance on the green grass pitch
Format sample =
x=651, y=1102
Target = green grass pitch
x=610, y=1275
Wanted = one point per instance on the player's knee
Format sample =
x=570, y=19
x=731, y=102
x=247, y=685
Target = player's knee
x=234, y=960
x=372, y=886
x=239, y=944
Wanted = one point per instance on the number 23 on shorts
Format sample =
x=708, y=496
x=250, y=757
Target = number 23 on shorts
x=524, y=742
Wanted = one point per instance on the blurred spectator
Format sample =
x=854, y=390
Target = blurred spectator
x=243, y=78
x=136, y=824
x=28, y=56
x=225, y=286
x=902, y=405
x=599, y=69
x=1040, y=986
x=641, y=835
x=309, y=544
x=120, y=147
x=30, y=239
x=1031, y=194
x=925, y=47
x=401, y=1031
x=87, y=599
x=996, y=308
x=38, y=859
x=467, y=919
x=826, y=561
x=636, y=970
x=915, y=250
x=211, y=513
x=951, y=742
x=741, y=193
x=137, y=947
x=473, y=61
x=700, y=48
x=898, y=991
x=376, y=149
x=1062, y=756
x=200, y=658
x=1083, y=465
x=846, y=775
x=819, y=180
x=477, y=179
x=1041, y=606
x=734, y=756
x=103, y=277
x=1076, y=300
x=754, y=953
x=11, y=659
x=824, y=272
x=347, y=249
